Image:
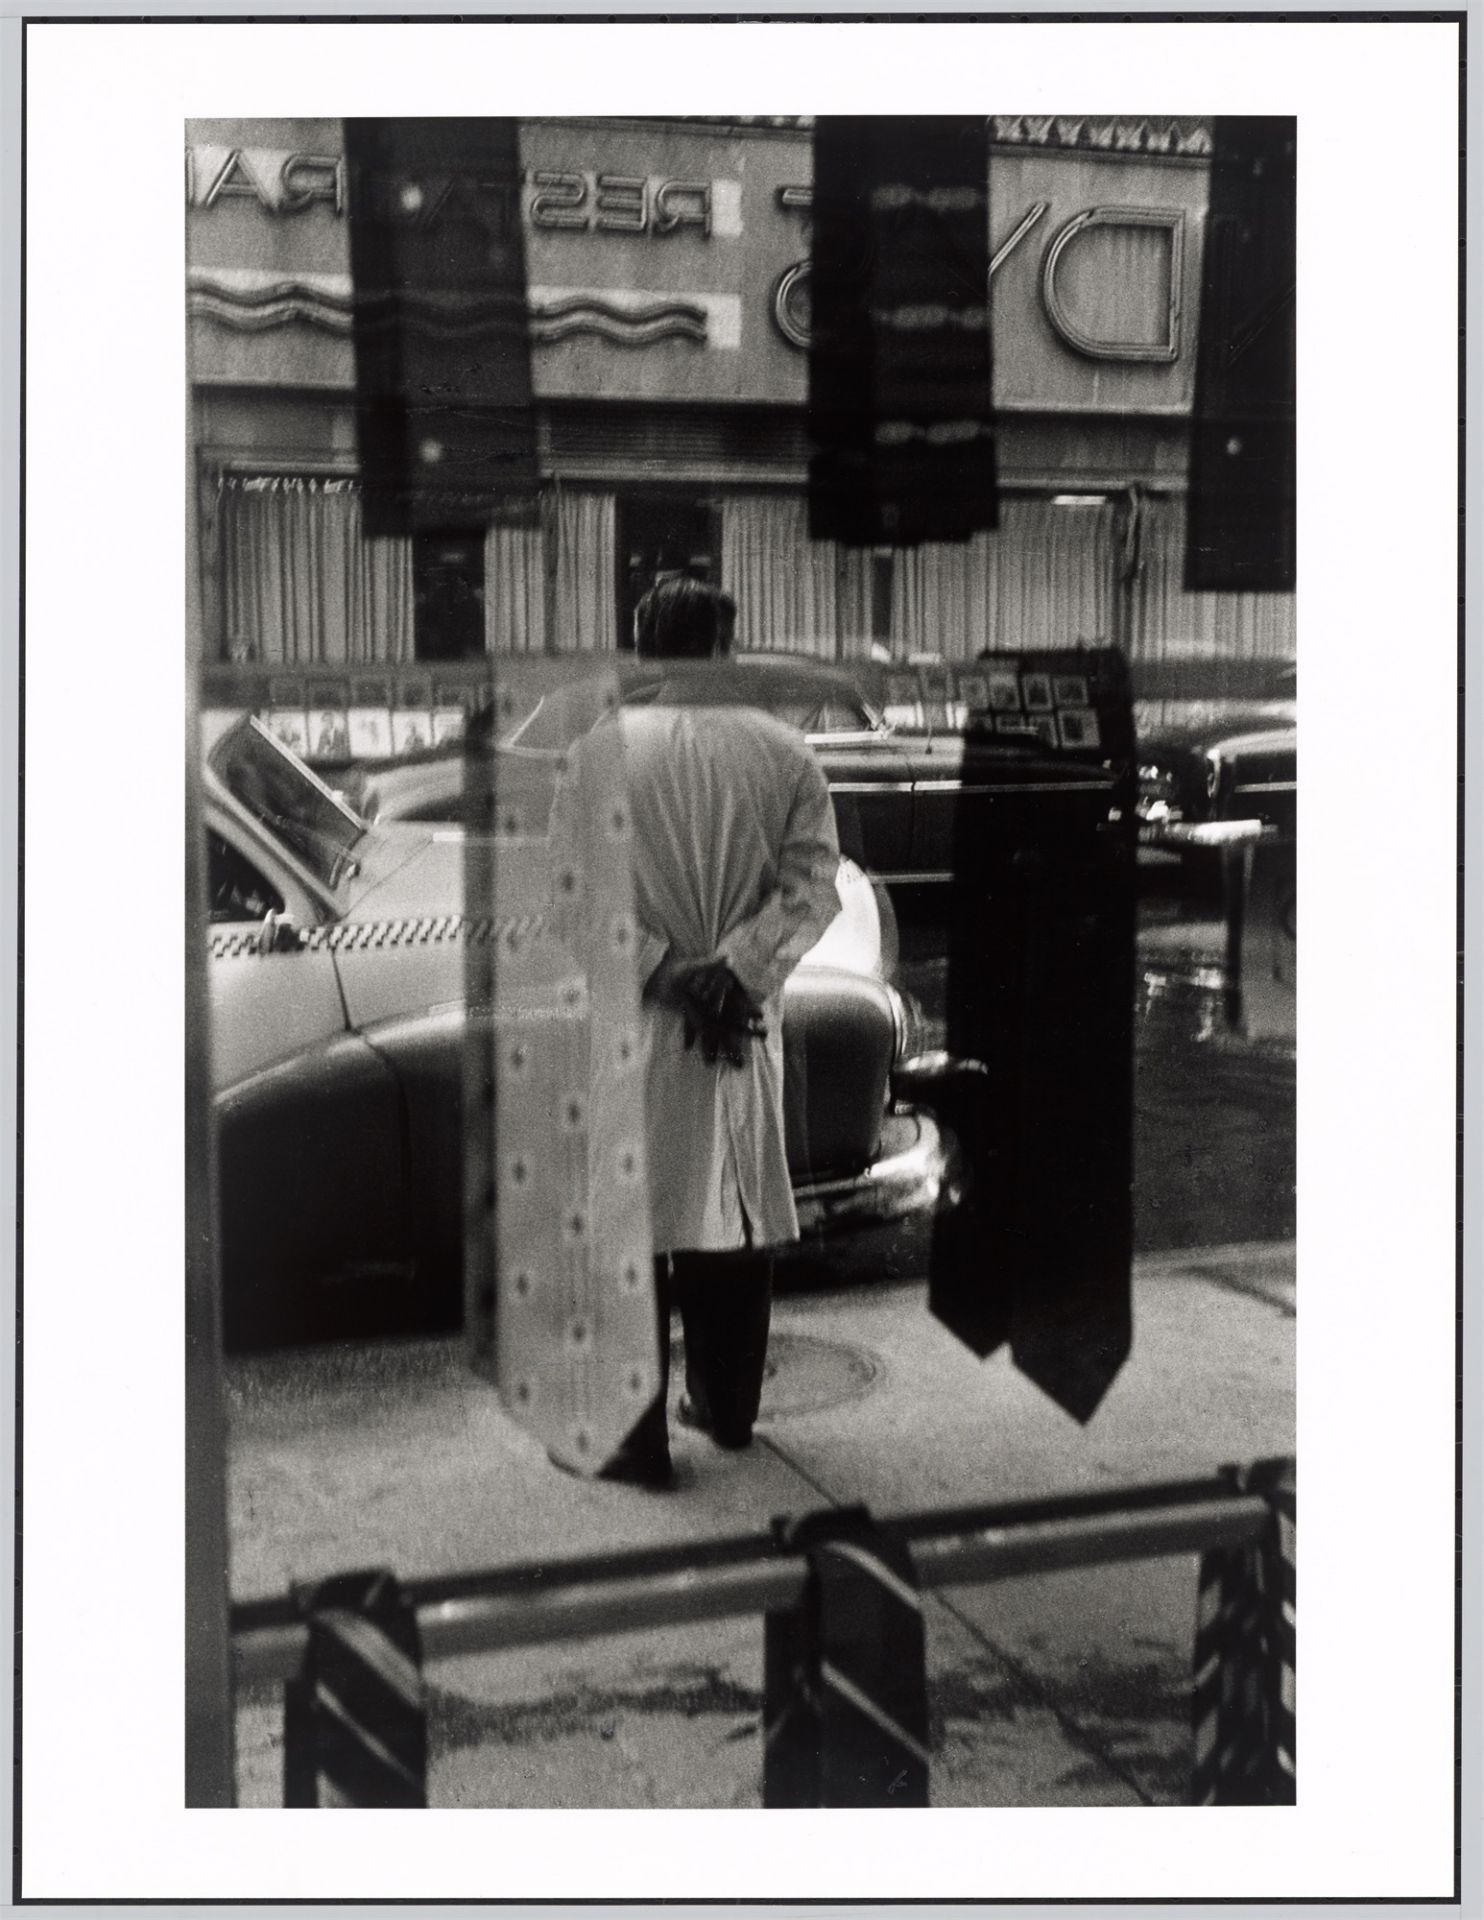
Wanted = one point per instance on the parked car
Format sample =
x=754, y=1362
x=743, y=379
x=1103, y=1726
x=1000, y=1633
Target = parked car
x=902, y=798
x=337, y=964
x=1221, y=779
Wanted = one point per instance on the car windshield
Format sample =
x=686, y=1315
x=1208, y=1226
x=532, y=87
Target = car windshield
x=841, y=713
x=554, y=723
x=282, y=795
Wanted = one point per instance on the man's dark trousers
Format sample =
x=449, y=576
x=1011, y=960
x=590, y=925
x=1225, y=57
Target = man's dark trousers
x=725, y=1302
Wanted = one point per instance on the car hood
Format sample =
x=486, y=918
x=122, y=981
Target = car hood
x=405, y=871
x=1202, y=732
x=1261, y=740
x=415, y=789
x=396, y=977
x=417, y=872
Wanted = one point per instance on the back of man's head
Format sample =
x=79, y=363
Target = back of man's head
x=683, y=619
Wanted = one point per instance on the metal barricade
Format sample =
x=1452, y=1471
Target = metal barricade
x=1241, y=1521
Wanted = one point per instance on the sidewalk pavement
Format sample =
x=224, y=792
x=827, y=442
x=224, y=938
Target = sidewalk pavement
x=1068, y=1689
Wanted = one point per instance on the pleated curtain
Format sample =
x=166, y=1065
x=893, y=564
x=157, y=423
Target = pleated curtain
x=515, y=597
x=1170, y=624
x=853, y=601
x=784, y=583
x=301, y=582
x=514, y=591
x=586, y=617
x=1043, y=580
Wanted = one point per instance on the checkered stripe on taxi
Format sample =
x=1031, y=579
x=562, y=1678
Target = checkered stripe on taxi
x=351, y=935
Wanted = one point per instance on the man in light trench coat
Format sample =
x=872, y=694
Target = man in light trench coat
x=735, y=861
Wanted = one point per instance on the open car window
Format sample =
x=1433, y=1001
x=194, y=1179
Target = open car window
x=284, y=797
x=236, y=889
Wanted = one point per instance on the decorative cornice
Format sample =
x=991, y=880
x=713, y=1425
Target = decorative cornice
x=784, y=122
x=1188, y=138
x=1185, y=136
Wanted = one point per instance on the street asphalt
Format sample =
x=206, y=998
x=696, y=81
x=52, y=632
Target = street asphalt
x=1053, y=1691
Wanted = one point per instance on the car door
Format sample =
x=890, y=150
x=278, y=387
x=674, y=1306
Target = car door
x=312, y=1202
x=966, y=790
x=870, y=782
x=939, y=793
x=273, y=995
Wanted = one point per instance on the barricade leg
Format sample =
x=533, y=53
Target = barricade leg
x=355, y=1731
x=1243, y=1698
x=845, y=1674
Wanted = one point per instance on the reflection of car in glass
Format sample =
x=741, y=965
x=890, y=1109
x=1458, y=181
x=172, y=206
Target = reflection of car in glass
x=337, y=988
x=899, y=797
x=1221, y=779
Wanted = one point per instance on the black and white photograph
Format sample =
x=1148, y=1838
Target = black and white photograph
x=748, y=1134
x=936, y=1046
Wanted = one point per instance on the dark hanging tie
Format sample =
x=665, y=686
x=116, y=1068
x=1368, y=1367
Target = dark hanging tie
x=1241, y=529
x=901, y=415
x=845, y=1679
x=445, y=422
x=1040, y=990
x=355, y=1718
x=1242, y=1704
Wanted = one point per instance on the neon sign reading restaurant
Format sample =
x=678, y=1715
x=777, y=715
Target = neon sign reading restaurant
x=554, y=201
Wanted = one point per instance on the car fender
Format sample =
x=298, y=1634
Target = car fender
x=312, y=1208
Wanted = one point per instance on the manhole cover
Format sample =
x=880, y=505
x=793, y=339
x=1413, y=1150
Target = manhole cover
x=806, y=1375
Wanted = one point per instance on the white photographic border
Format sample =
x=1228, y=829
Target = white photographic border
x=102, y=1792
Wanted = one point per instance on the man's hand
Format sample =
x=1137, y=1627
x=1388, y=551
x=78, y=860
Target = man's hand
x=716, y=1009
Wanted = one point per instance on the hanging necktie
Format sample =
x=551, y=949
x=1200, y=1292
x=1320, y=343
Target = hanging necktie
x=560, y=1303
x=1040, y=991
x=901, y=412
x=445, y=426
x=1243, y=1698
x=355, y=1718
x=1240, y=515
x=845, y=1686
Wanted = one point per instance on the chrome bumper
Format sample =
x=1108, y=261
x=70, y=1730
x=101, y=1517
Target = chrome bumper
x=916, y=1172
x=1176, y=836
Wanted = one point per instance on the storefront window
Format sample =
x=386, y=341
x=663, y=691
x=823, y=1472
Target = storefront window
x=448, y=595
x=301, y=583
x=660, y=534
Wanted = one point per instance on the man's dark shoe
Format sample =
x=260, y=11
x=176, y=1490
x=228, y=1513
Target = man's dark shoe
x=690, y=1415
x=733, y=1439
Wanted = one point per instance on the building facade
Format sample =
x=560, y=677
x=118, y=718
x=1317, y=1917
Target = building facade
x=668, y=278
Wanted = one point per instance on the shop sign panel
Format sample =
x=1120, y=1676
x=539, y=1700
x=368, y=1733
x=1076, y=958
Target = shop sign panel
x=669, y=263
